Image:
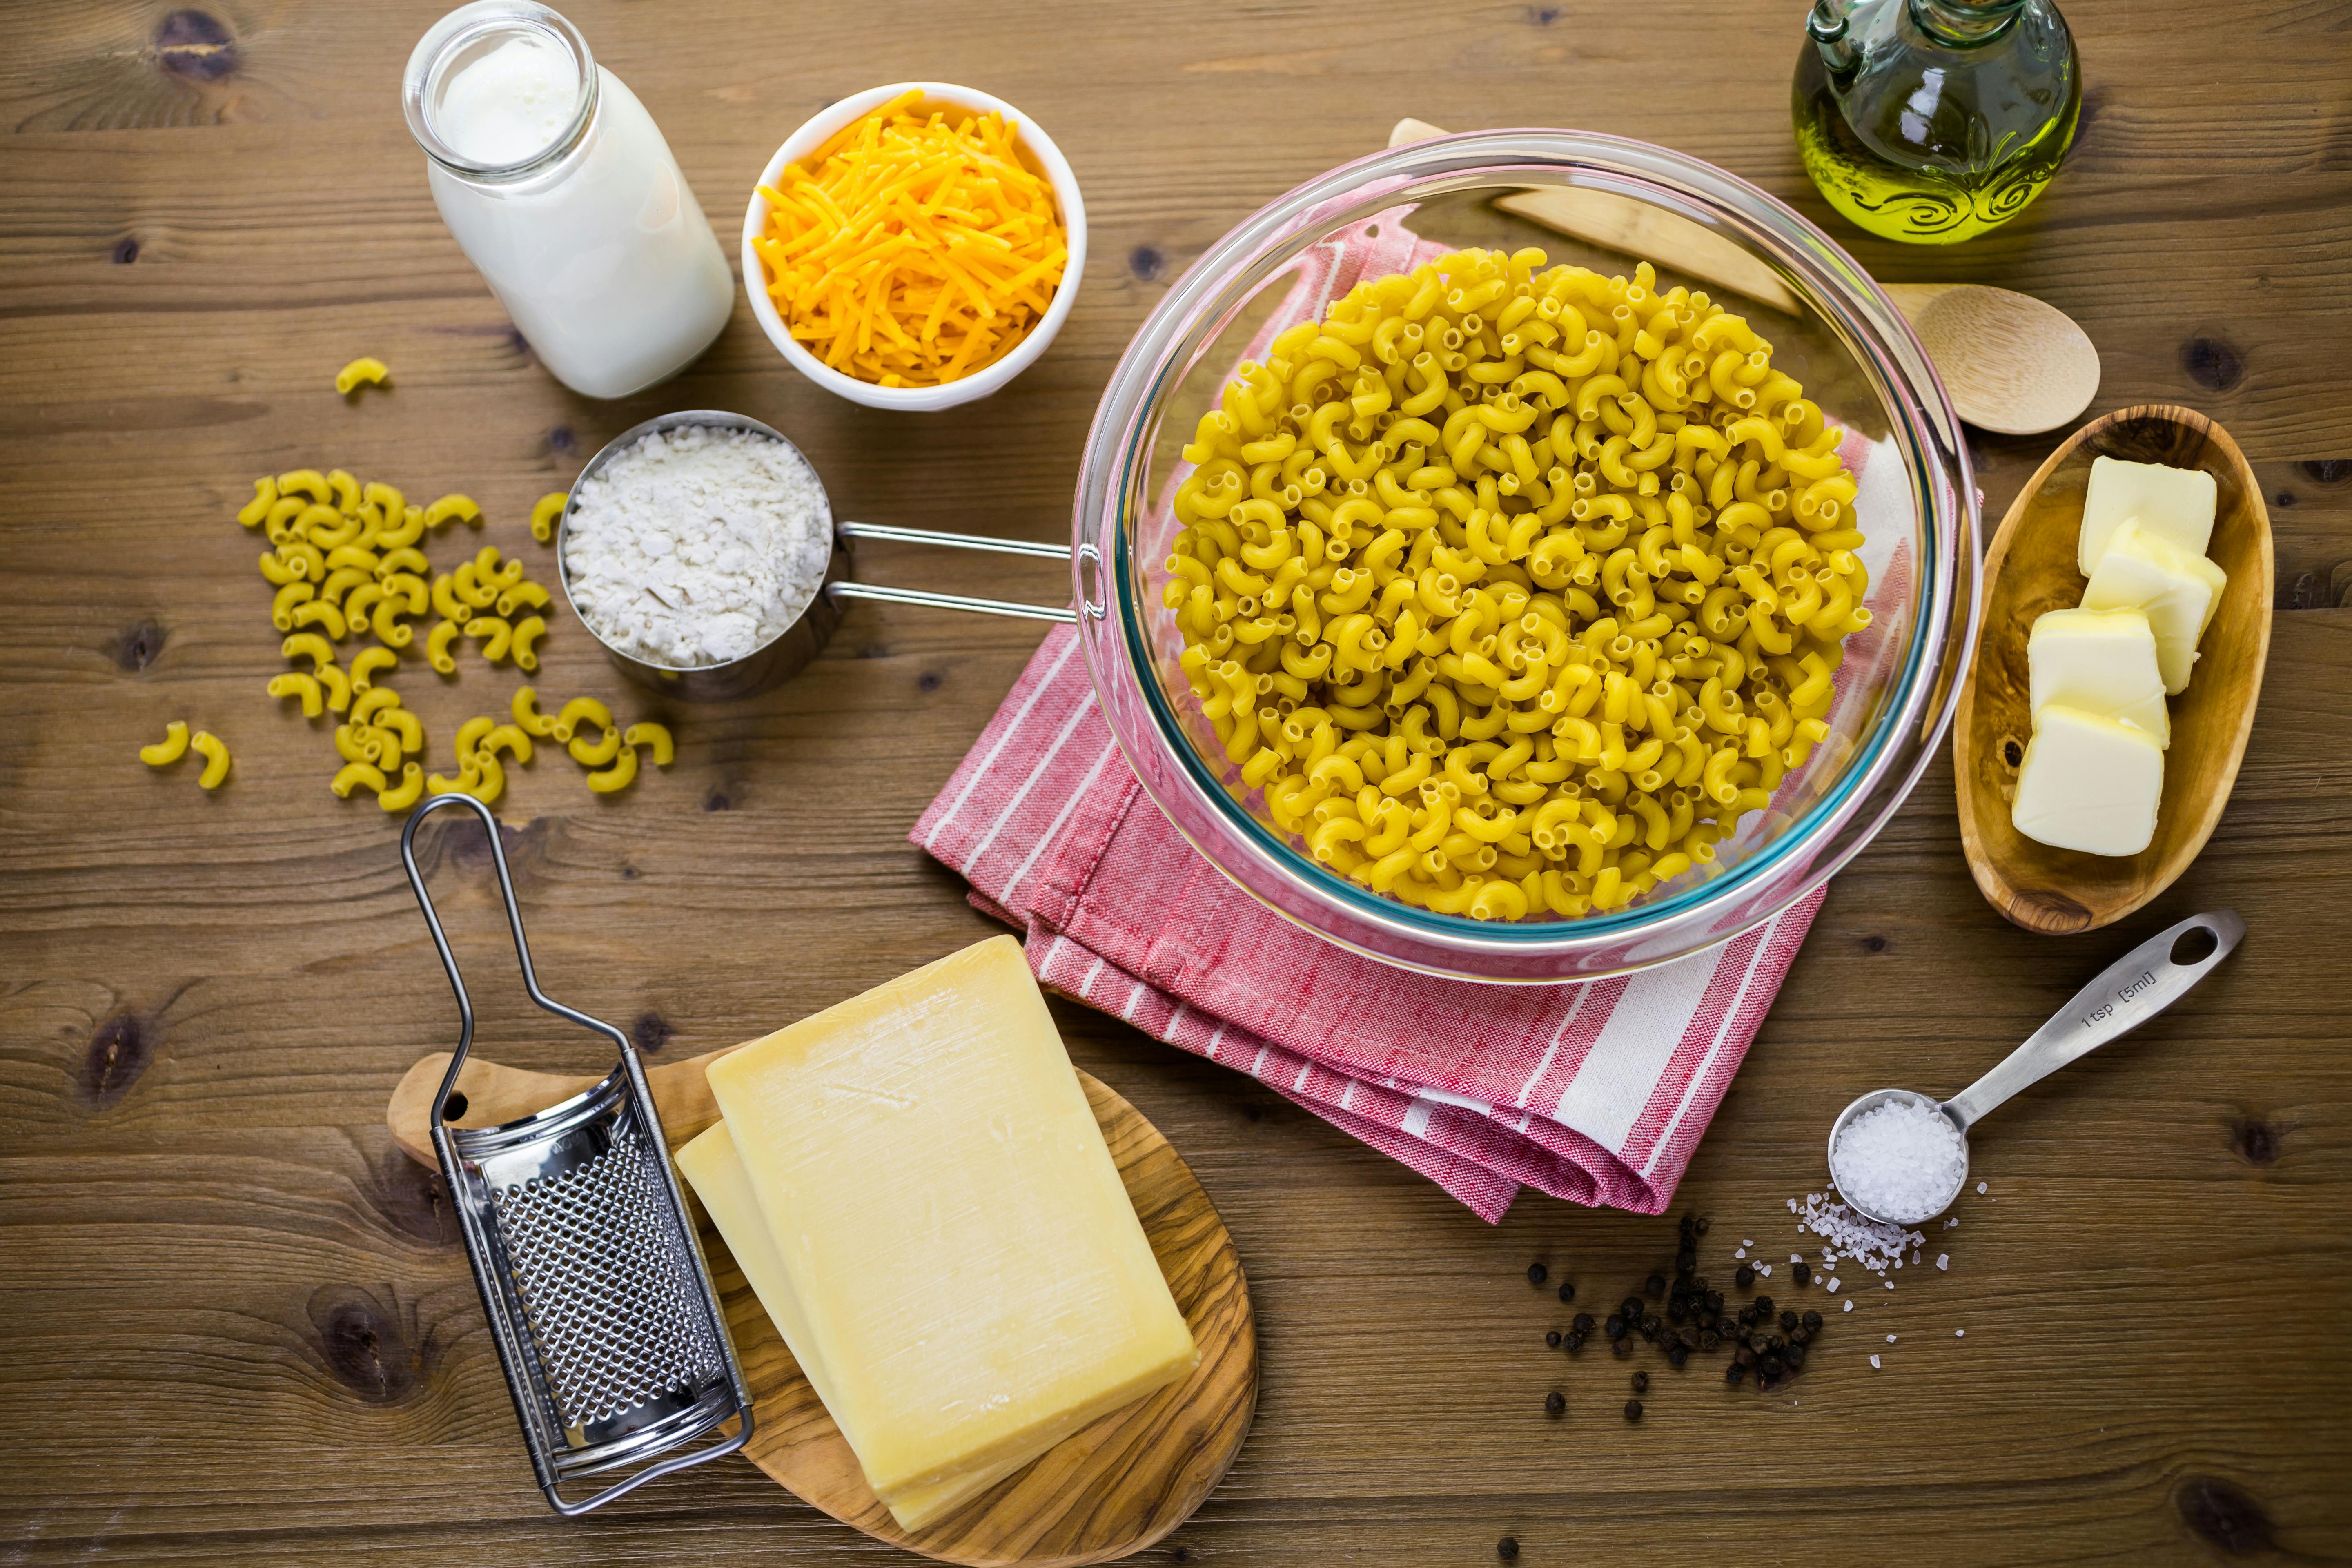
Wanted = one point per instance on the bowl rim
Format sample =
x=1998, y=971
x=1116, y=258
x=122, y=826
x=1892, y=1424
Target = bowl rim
x=990, y=378
x=1920, y=699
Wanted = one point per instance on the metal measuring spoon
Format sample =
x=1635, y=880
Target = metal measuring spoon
x=2127, y=994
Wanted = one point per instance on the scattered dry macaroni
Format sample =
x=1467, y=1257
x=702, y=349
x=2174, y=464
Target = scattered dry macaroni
x=543, y=513
x=365, y=370
x=1514, y=588
x=344, y=563
x=216, y=754
x=908, y=252
x=170, y=749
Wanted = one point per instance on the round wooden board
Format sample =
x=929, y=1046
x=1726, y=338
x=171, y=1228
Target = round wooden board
x=1105, y=1493
x=2031, y=569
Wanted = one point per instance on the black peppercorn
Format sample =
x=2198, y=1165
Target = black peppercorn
x=1551, y=1337
x=1615, y=1325
x=1554, y=1402
x=1622, y=1348
x=1536, y=1273
x=1745, y=1355
x=1686, y=1265
x=1641, y=1382
x=1583, y=1324
x=1813, y=1321
x=1714, y=1302
x=1744, y=1275
x=1676, y=1312
x=1573, y=1342
x=1770, y=1366
x=1727, y=1328
x=1507, y=1549
x=1701, y=1225
x=1746, y=1316
x=1803, y=1272
x=1763, y=1305
x=1793, y=1358
x=1801, y=1335
x=1651, y=1325
x=1631, y=1306
x=1656, y=1285
x=1708, y=1339
x=1633, y=1410
x=1567, y=1291
x=1734, y=1373
x=1789, y=1321
x=1676, y=1355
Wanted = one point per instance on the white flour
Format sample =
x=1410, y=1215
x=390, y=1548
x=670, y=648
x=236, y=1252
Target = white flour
x=697, y=545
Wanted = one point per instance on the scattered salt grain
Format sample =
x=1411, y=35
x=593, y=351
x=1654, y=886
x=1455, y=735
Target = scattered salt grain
x=1746, y=1241
x=1834, y=1286
x=1741, y=1253
x=1765, y=1270
x=1890, y=1339
x=1984, y=1186
x=1873, y=1361
x=1796, y=1258
x=1959, y=1333
x=1902, y=1158
x=1858, y=1240
x=1944, y=1260
x=1849, y=1305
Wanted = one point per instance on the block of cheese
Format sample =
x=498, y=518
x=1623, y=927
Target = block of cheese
x=710, y=1165
x=968, y=1268
x=2102, y=662
x=2089, y=783
x=2176, y=591
x=2174, y=503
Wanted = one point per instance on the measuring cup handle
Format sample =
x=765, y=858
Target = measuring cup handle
x=2127, y=994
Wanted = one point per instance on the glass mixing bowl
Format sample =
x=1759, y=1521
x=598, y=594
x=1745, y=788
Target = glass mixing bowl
x=1830, y=326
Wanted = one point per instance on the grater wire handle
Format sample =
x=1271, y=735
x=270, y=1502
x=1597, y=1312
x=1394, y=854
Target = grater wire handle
x=449, y=958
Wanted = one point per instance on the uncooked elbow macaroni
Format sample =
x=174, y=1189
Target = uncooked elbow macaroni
x=347, y=561
x=1514, y=588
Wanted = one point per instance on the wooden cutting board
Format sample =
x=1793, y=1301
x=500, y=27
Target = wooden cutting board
x=1102, y=1494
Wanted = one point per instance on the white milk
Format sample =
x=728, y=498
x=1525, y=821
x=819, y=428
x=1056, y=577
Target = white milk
x=590, y=238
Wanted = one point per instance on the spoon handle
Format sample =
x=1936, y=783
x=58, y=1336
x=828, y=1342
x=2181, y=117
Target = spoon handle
x=2127, y=994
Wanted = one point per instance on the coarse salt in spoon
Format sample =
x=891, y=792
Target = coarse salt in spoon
x=1901, y=1158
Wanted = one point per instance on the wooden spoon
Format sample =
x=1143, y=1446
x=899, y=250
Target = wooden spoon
x=2030, y=568
x=1103, y=1493
x=2012, y=363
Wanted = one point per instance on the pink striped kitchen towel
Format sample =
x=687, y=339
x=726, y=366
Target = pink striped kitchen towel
x=1596, y=1091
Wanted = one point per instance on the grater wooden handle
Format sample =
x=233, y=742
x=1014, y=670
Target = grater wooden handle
x=495, y=1094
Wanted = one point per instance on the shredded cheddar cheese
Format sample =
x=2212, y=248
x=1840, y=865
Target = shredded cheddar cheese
x=909, y=251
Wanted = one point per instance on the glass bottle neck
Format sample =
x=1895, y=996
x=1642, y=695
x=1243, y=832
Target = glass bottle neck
x=464, y=37
x=1965, y=24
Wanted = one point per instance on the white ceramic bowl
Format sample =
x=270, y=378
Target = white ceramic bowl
x=989, y=378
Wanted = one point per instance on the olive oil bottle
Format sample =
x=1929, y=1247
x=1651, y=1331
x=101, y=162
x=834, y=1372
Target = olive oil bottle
x=1934, y=121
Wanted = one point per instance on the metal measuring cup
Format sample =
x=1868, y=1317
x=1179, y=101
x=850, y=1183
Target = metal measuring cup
x=787, y=653
x=2127, y=993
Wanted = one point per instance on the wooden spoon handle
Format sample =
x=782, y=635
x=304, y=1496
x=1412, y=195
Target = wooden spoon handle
x=496, y=1094
x=1635, y=228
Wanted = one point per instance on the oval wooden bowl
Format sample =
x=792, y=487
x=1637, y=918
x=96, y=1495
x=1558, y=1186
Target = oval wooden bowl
x=1103, y=1493
x=2032, y=568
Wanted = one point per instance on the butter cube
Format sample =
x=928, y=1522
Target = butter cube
x=2089, y=783
x=2176, y=591
x=2175, y=504
x=964, y=1258
x=2102, y=662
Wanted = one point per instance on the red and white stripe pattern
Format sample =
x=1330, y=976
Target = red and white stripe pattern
x=1596, y=1092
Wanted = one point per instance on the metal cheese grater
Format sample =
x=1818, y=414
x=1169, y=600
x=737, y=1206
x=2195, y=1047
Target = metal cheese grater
x=601, y=1305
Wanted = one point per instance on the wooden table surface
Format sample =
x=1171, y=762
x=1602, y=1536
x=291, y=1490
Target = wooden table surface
x=237, y=1326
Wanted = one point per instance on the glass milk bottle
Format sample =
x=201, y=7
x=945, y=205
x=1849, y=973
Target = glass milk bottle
x=558, y=187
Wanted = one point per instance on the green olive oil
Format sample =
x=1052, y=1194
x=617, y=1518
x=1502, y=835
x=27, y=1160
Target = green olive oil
x=1934, y=121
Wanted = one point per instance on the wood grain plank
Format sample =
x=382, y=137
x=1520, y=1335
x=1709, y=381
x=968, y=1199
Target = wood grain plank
x=254, y=1310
